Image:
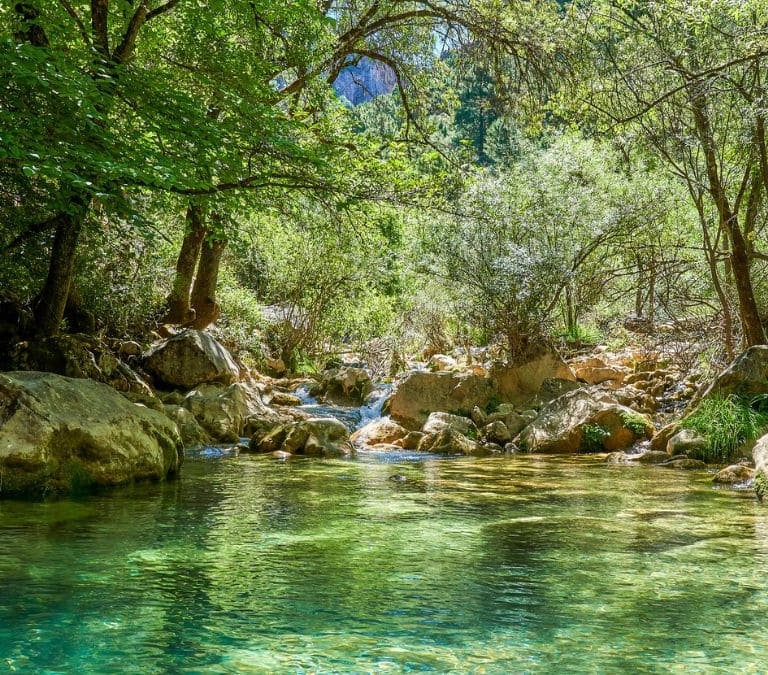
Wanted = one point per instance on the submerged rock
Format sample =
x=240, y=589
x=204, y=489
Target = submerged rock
x=686, y=464
x=63, y=435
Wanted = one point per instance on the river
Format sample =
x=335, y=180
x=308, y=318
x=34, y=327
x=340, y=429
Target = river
x=391, y=563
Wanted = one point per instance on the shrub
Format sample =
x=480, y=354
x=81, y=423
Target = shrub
x=727, y=423
x=593, y=437
x=635, y=423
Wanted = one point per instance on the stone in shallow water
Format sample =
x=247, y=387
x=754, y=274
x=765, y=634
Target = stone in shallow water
x=736, y=473
x=379, y=431
x=61, y=435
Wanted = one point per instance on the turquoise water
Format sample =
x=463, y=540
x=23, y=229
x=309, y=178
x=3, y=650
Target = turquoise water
x=499, y=565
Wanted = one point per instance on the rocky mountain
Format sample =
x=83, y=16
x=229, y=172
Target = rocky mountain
x=364, y=81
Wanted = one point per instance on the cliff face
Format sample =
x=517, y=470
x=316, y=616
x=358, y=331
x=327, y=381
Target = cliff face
x=360, y=83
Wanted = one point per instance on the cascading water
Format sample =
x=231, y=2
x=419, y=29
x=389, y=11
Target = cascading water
x=353, y=417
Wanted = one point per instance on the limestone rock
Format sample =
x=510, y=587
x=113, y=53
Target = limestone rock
x=189, y=359
x=686, y=442
x=514, y=421
x=191, y=432
x=760, y=454
x=746, y=376
x=554, y=387
x=437, y=421
x=661, y=437
x=441, y=362
x=478, y=416
x=83, y=356
x=284, y=399
x=344, y=385
x=522, y=381
x=316, y=437
x=224, y=411
x=410, y=441
x=448, y=441
x=579, y=422
x=63, y=435
x=497, y=432
x=736, y=473
x=652, y=457
x=420, y=393
x=686, y=464
x=378, y=432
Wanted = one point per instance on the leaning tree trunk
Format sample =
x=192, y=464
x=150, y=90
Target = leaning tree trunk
x=52, y=301
x=203, y=295
x=179, y=309
x=753, y=333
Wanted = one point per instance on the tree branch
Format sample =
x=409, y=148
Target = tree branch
x=162, y=9
x=99, y=23
x=124, y=51
x=81, y=26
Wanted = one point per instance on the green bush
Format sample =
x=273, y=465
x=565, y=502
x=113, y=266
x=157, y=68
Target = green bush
x=593, y=437
x=635, y=423
x=727, y=423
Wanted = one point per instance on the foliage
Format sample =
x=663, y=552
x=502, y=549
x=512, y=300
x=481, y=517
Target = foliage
x=727, y=423
x=593, y=437
x=635, y=423
x=522, y=240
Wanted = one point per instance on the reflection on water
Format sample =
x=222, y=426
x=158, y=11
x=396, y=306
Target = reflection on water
x=457, y=565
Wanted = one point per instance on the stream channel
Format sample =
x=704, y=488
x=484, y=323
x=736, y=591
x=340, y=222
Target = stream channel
x=389, y=563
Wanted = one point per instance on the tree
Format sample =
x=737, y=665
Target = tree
x=523, y=240
x=250, y=113
x=687, y=80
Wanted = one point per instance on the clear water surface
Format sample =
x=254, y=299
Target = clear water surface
x=388, y=564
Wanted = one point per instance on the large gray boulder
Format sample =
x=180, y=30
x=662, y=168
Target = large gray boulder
x=746, y=376
x=189, y=359
x=315, y=437
x=421, y=393
x=223, y=412
x=579, y=422
x=437, y=421
x=346, y=385
x=63, y=435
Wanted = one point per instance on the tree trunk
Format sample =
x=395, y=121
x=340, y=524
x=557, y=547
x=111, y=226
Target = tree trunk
x=203, y=296
x=179, y=310
x=753, y=333
x=52, y=300
x=750, y=317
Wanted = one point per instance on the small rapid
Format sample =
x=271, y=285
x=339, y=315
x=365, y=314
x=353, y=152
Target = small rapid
x=353, y=417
